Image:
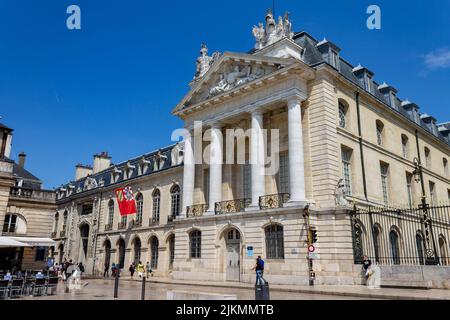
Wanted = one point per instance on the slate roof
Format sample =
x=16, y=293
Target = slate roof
x=78, y=187
x=314, y=58
x=5, y=128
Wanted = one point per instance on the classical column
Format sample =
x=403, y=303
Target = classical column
x=296, y=157
x=188, y=174
x=215, y=167
x=257, y=153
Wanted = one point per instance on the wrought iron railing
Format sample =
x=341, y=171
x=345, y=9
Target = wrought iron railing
x=53, y=234
x=171, y=218
x=121, y=225
x=153, y=220
x=62, y=234
x=231, y=206
x=393, y=236
x=273, y=201
x=136, y=223
x=108, y=227
x=197, y=210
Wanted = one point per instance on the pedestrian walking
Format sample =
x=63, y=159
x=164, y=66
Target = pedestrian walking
x=132, y=269
x=140, y=269
x=259, y=269
x=106, y=271
x=147, y=268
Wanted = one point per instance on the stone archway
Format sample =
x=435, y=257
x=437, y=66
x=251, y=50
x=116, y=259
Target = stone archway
x=84, y=243
x=232, y=254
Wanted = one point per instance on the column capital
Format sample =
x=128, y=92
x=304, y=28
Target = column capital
x=216, y=125
x=257, y=112
x=295, y=99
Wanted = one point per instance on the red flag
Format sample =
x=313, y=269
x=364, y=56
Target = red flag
x=126, y=202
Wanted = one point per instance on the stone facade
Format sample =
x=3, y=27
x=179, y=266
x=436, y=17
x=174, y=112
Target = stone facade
x=323, y=109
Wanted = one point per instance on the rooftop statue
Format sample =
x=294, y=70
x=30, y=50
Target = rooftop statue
x=273, y=31
x=204, y=62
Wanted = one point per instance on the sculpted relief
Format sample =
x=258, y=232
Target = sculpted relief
x=273, y=31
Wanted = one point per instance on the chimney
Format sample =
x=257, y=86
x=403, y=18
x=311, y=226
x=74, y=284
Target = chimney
x=102, y=161
x=82, y=171
x=22, y=158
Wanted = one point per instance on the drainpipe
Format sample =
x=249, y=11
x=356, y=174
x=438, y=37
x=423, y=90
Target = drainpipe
x=361, y=151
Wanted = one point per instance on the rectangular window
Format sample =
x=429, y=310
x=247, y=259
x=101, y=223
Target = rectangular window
x=40, y=254
x=87, y=209
x=206, y=185
x=10, y=223
x=384, y=169
x=247, y=181
x=283, y=174
x=346, y=169
x=409, y=179
x=432, y=192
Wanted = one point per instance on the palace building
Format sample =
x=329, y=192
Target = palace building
x=339, y=139
x=26, y=213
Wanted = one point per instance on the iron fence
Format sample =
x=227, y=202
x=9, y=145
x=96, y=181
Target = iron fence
x=392, y=236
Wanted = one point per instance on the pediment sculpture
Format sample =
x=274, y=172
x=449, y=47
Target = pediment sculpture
x=177, y=154
x=204, y=62
x=273, y=31
x=238, y=75
x=90, y=183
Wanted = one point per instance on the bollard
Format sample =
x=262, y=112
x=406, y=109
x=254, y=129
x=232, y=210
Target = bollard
x=143, y=289
x=116, y=285
x=262, y=292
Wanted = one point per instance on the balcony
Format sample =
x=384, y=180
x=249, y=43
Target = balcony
x=153, y=220
x=39, y=195
x=273, y=201
x=231, y=206
x=196, y=210
x=62, y=234
x=53, y=235
x=136, y=223
x=121, y=225
x=108, y=227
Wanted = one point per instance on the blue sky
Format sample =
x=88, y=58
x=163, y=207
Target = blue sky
x=112, y=85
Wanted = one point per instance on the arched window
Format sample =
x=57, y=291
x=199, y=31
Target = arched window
x=405, y=146
x=342, y=114
x=195, y=241
x=445, y=165
x=64, y=227
x=172, y=250
x=154, y=246
x=427, y=158
x=156, y=196
x=107, y=253
x=376, y=241
x=55, y=226
x=274, y=242
x=9, y=225
x=111, y=212
x=175, y=200
x=139, y=208
x=420, y=248
x=137, y=250
x=380, y=128
x=121, y=261
x=395, y=248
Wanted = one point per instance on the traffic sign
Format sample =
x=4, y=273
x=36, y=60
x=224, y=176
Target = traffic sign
x=311, y=248
x=313, y=256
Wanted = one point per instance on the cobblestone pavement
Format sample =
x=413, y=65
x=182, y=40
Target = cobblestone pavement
x=98, y=289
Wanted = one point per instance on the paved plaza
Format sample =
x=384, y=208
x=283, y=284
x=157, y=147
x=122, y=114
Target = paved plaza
x=167, y=289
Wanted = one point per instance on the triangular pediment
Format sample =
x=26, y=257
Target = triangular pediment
x=231, y=72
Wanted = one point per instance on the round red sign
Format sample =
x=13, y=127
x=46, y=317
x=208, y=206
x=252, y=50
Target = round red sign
x=311, y=248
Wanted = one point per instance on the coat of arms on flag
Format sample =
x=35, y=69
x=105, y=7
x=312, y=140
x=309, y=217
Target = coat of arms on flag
x=125, y=200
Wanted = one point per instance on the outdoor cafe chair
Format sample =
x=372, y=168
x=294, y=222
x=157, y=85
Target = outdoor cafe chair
x=4, y=289
x=39, y=286
x=16, y=288
x=28, y=287
x=52, y=284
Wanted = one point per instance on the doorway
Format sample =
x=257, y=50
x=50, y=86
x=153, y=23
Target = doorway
x=233, y=255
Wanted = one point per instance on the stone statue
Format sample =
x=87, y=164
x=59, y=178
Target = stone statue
x=288, y=26
x=259, y=33
x=273, y=31
x=204, y=62
x=177, y=154
x=220, y=87
x=340, y=194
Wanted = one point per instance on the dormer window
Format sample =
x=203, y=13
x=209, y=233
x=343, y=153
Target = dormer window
x=115, y=175
x=334, y=59
x=129, y=169
x=369, y=84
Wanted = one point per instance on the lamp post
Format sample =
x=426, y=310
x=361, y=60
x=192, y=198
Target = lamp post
x=430, y=249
